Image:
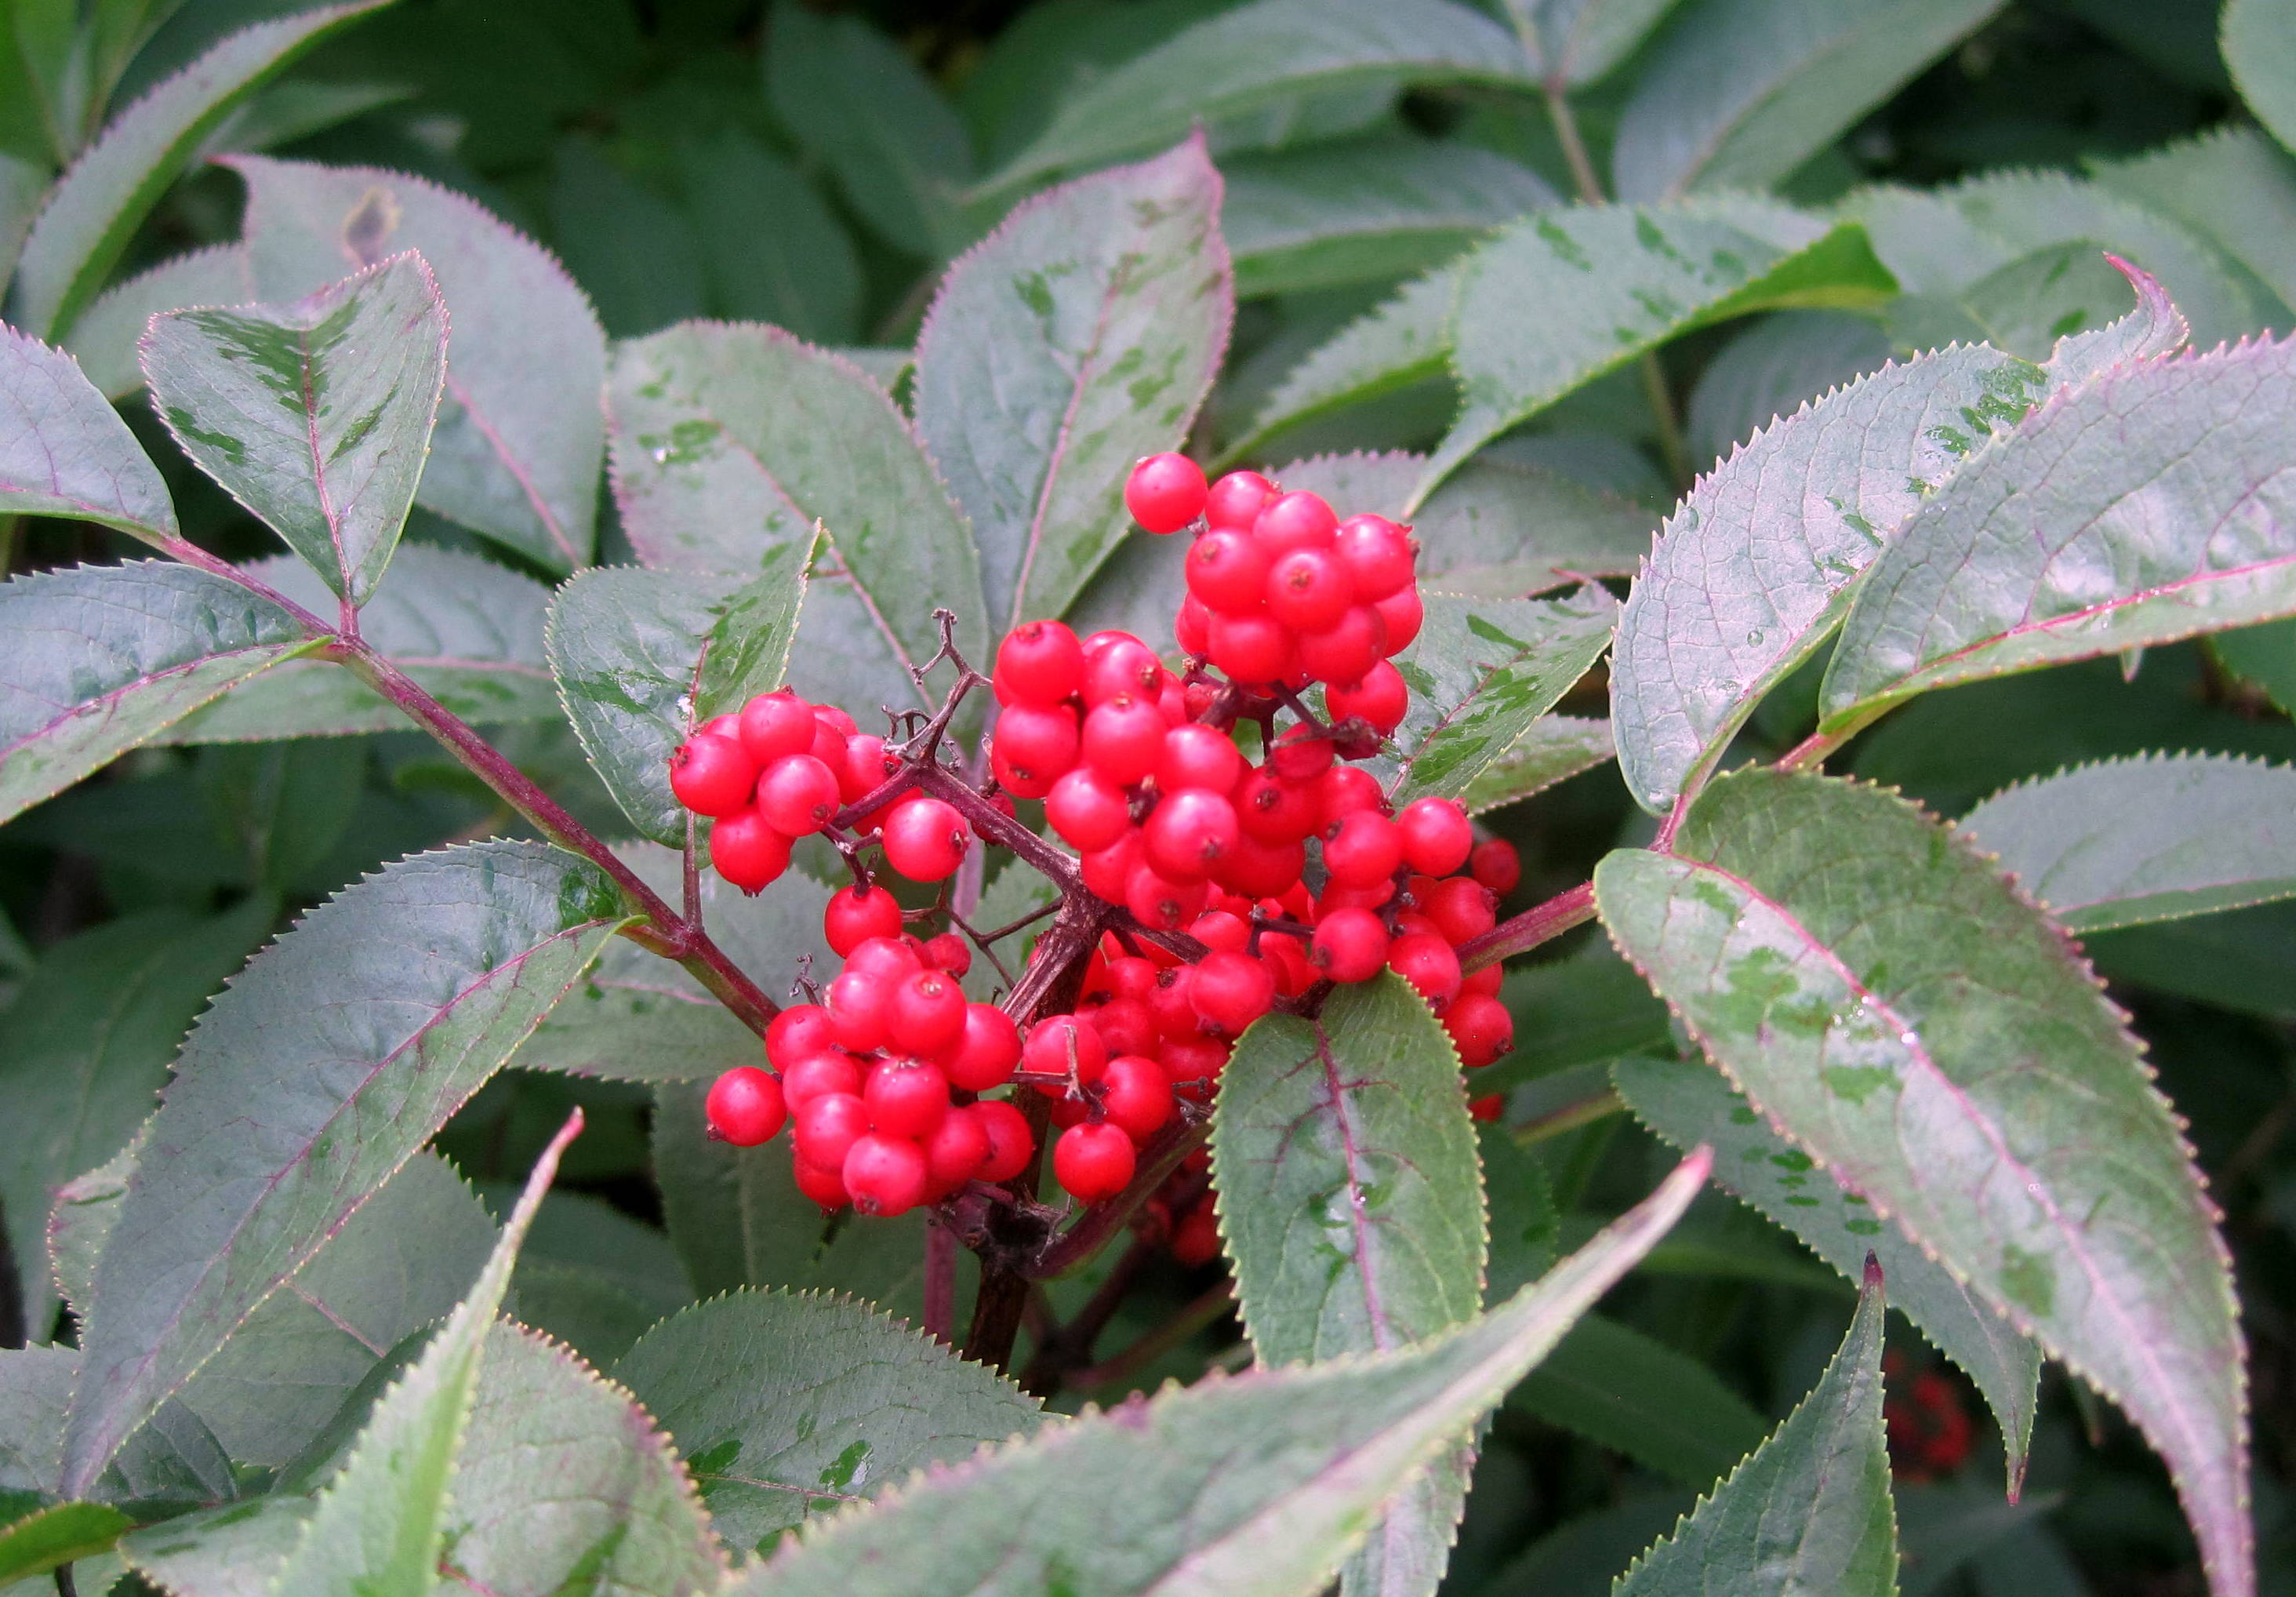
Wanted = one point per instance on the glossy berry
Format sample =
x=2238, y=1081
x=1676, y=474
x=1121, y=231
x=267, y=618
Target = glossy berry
x=826, y=1126
x=712, y=776
x=905, y=1097
x=1123, y=740
x=1191, y=832
x=1480, y=1028
x=1377, y=553
x=1194, y=1064
x=1166, y=493
x=856, y=914
x=745, y=1106
x=926, y=1017
x=1039, y=744
x=1088, y=809
x=1300, y=755
x=988, y=1050
x=1011, y=1148
x=1162, y=904
x=1363, y=848
x=829, y=1071
x=1348, y=649
x=889, y=959
x=1121, y=665
x=776, y=725
x=1236, y=500
x=1040, y=663
x=797, y=1032
x=1137, y=1096
x=1268, y=810
x=1379, y=699
x=1426, y=961
x=1252, y=648
x=1350, y=945
x=1308, y=589
x=926, y=840
x=1192, y=626
x=1262, y=869
x=1063, y=1044
x=949, y=951
x=1107, y=872
x=1344, y=789
x=1198, y=756
x=885, y=1174
x=798, y=795
x=1496, y=866
x=1231, y=991
x=866, y=766
x=1460, y=907
x=1296, y=520
x=746, y=852
x=1093, y=1162
x=956, y=1148
x=1437, y=835
x=825, y=1187
x=1400, y=616
x=1227, y=571
x=860, y=1005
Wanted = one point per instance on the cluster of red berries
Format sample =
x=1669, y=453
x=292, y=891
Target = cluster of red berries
x=1930, y=1432
x=1207, y=850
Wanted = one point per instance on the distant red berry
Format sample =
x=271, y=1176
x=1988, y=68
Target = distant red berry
x=1437, y=835
x=885, y=1174
x=925, y=841
x=744, y=1107
x=711, y=775
x=1195, y=1236
x=1350, y=945
x=746, y=852
x=1093, y=1162
x=1496, y=866
x=1166, y=493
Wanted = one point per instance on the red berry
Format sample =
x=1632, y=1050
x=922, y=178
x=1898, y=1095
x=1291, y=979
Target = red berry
x=1123, y=738
x=835, y=720
x=1161, y=903
x=745, y=1106
x=825, y=1187
x=797, y=794
x=1346, y=650
x=746, y=852
x=1065, y=1046
x=1480, y=1027
x=1192, y=626
x=1088, y=809
x=1296, y=520
x=1400, y=615
x=1363, y=848
x=927, y=1015
x=1287, y=957
x=889, y=959
x=865, y=767
x=885, y=1174
x=1166, y=493
x=860, y=1004
x=1350, y=945
x=776, y=725
x=1040, y=663
x=1125, y=1026
x=1228, y=571
x=1195, y=1239
x=1093, y=1162
x=1121, y=666
x=1168, y=1002
x=926, y=840
x=1437, y=835
x=1011, y=1146
x=1489, y=1107
x=988, y=1051
x=1137, y=1096
x=828, y=1126
x=856, y=914
x=1039, y=744
x=1378, y=555
x=1236, y=500
x=1252, y=648
x=949, y=951
x=1272, y=812
x=1263, y=869
x=1343, y=790
x=957, y=1147
x=721, y=726
x=1128, y=978
x=1221, y=929
x=828, y=740
x=1232, y=991
x=1381, y=698
x=1194, y=1065
x=1300, y=755
x=1489, y=979
x=1108, y=872
x=797, y=1032
x=1461, y=907
x=1496, y=866
x=1308, y=589
x=711, y=775
x=905, y=1097
x=1426, y=961
x=1191, y=832
x=1198, y=756
x=828, y=1071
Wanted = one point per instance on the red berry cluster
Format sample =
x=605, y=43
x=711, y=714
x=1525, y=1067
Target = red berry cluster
x=1197, y=857
x=1929, y=1431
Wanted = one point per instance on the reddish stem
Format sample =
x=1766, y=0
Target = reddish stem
x=1542, y=923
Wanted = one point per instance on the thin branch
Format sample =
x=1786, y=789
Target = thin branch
x=1542, y=923
x=1206, y=1310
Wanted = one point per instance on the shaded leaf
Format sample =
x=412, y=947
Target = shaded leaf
x=104, y=339
x=1810, y=1511
x=1689, y=1104
x=1366, y=210
x=171, y=1464
x=234, y=1551
x=317, y=417
x=516, y=450
x=2264, y=655
x=2260, y=46
x=95, y=660
x=1525, y=1228
x=95, y=207
x=587, y=1310
x=800, y=273
x=1557, y=301
x=1306, y=1456
x=1482, y=672
x=1402, y=341
x=732, y=442
x=1953, y=1060
x=433, y=972
x=1772, y=369
x=1580, y=41
x=1080, y=336
x=1260, y=55
x=2127, y=841
x=64, y=451
x=2234, y=187
x=1554, y=748
x=469, y=633
x=80, y=1217
x=1634, y=1395
x=787, y=1405
x=1736, y=93
x=2149, y=505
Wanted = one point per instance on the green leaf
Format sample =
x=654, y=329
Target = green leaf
x=316, y=415
x=234, y=1551
x=469, y=633
x=1772, y=369
x=1688, y=1104
x=858, y=103
x=2127, y=841
x=1579, y=41
x=1634, y=1395
x=642, y=657
x=2265, y=656
x=1736, y=93
x=1481, y=673
x=49, y=1537
x=383, y=1524
x=324, y=1067
x=80, y=1217
x=1080, y=336
x=1365, y=210
x=104, y=339
x=1402, y=341
x=640, y=1017
x=2234, y=187
x=587, y=1310
x=23, y=183
x=1351, y=1205
x=801, y=273
x=730, y=443
x=2260, y=46
x=2142, y=507
x=1258, y=55
x=1886, y=1000
x=90, y=1037
x=516, y=450
x=1305, y=1457
x=95, y=660
x=1555, y=302
x=1810, y=1511
x=171, y=1464
x=1555, y=748
x=64, y=451
x=95, y=208
x=788, y=1404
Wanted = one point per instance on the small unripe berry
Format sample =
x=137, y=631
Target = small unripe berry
x=926, y=840
x=1166, y=493
x=746, y=852
x=1437, y=835
x=1093, y=1162
x=744, y=1107
x=1040, y=663
x=885, y=1174
x=1350, y=945
x=712, y=776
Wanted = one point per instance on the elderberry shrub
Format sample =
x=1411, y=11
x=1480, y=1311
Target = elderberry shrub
x=1192, y=857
